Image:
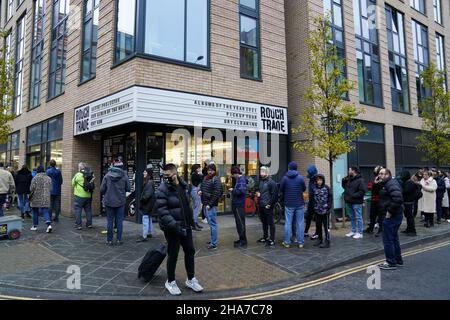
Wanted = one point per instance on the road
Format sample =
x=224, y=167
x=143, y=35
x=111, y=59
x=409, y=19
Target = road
x=424, y=276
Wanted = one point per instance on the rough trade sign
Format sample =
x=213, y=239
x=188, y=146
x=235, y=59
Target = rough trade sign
x=273, y=119
x=82, y=120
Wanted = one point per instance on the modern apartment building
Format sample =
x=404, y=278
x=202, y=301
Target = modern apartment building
x=386, y=44
x=99, y=79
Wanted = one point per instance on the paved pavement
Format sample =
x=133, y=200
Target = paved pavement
x=39, y=261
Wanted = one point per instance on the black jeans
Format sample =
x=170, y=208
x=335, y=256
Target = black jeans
x=416, y=208
x=239, y=217
x=309, y=214
x=323, y=220
x=439, y=208
x=266, y=216
x=173, y=248
x=373, y=214
x=410, y=225
x=55, y=205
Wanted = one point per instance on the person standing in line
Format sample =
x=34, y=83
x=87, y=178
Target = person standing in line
x=210, y=191
x=446, y=200
x=23, y=183
x=323, y=204
x=146, y=204
x=410, y=194
x=355, y=189
x=7, y=186
x=57, y=181
x=440, y=191
x=196, y=180
x=40, y=191
x=428, y=200
x=239, y=194
x=391, y=200
x=292, y=187
x=176, y=221
x=416, y=180
x=309, y=214
x=374, y=186
x=114, y=187
x=82, y=197
x=268, y=196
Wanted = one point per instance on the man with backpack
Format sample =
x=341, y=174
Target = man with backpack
x=114, y=187
x=83, y=186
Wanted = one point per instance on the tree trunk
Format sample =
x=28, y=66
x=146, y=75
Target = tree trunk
x=333, y=216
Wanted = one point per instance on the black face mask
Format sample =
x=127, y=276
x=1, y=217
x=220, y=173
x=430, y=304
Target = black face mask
x=170, y=180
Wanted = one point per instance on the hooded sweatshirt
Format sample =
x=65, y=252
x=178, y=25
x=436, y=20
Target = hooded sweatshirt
x=312, y=172
x=322, y=196
x=292, y=186
x=114, y=187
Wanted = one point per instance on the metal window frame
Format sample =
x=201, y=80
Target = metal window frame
x=373, y=58
x=54, y=44
x=37, y=55
x=392, y=64
x=19, y=64
x=88, y=18
x=254, y=14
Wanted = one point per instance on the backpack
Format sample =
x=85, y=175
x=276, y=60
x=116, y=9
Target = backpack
x=151, y=262
x=88, y=183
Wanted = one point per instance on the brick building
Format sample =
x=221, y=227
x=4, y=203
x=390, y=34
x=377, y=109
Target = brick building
x=97, y=79
x=386, y=43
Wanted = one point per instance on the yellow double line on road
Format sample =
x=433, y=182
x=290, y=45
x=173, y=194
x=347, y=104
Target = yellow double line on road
x=333, y=277
x=3, y=298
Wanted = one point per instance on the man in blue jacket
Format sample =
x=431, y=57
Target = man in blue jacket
x=239, y=194
x=55, y=194
x=292, y=186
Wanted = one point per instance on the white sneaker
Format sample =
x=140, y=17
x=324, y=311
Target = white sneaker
x=194, y=285
x=349, y=235
x=358, y=236
x=49, y=229
x=376, y=226
x=33, y=228
x=448, y=220
x=205, y=221
x=173, y=288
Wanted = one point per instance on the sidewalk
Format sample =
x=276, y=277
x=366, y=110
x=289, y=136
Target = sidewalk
x=39, y=261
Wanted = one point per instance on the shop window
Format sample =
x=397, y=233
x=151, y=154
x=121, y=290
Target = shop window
x=45, y=142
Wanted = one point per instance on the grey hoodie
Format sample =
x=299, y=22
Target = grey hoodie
x=114, y=187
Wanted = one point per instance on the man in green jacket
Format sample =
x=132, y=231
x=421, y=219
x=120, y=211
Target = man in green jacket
x=82, y=198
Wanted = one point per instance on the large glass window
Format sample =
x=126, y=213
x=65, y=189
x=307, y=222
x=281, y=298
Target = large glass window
x=367, y=52
x=437, y=11
x=177, y=30
x=397, y=60
x=12, y=154
x=370, y=150
x=18, y=70
x=58, y=54
x=249, y=39
x=90, y=38
x=419, y=5
x=37, y=55
x=44, y=142
x=333, y=9
x=10, y=9
x=440, y=54
x=125, y=39
x=421, y=56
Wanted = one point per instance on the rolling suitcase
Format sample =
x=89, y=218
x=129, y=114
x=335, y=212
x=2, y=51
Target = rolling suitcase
x=151, y=262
